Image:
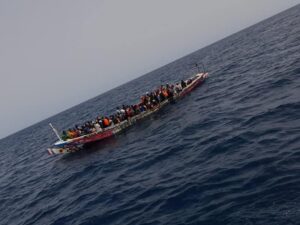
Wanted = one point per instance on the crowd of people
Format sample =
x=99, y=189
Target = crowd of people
x=147, y=102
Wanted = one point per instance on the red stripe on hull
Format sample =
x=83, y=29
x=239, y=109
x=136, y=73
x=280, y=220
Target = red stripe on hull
x=95, y=137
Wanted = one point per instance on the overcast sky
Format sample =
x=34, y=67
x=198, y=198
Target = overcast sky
x=55, y=54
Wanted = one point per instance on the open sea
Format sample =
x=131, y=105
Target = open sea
x=228, y=153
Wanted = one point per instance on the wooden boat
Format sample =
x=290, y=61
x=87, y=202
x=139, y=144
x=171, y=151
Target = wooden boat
x=75, y=144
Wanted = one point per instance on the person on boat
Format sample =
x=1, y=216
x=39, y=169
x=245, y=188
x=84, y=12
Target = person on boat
x=162, y=96
x=64, y=136
x=123, y=110
x=178, y=88
x=156, y=95
x=121, y=114
x=78, y=132
x=100, y=122
x=115, y=119
x=128, y=112
x=183, y=84
x=134, y=110
x=85, y=129
x=93, y=128
x=106, y=122
x=170, y=92
x=143, y=99
x=165, y=93
x=70, y=133
x=118, y=110
x=74, y=133
x=153, y=99
x=112, y=120
x=142, y=107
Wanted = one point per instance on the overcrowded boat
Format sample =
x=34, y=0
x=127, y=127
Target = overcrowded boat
x=104, y=127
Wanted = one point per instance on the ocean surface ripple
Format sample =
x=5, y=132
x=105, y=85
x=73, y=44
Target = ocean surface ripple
x=228, y=153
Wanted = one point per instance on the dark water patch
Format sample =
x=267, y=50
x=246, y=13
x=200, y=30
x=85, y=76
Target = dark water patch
x=280, y=112
x=280, y=83
x=296, y=71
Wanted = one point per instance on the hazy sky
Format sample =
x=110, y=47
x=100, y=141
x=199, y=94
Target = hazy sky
x=55, y=54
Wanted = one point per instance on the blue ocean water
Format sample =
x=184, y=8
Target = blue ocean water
x=229, y=153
